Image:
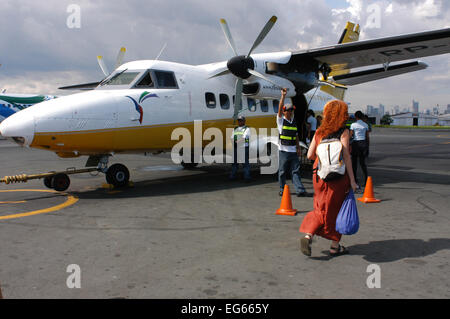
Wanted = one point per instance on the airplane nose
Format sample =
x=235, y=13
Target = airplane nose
x=19, y=127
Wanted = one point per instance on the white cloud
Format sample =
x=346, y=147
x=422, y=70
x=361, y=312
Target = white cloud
x=40, y=53
x=428, y=9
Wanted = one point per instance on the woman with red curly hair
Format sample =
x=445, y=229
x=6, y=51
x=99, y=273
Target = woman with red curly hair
x=329, y=196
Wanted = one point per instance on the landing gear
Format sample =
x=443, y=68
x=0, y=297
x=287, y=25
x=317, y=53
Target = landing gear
x=192, y=164
x=118, y=175
x=188, y=165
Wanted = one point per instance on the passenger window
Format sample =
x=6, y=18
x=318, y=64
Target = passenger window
x=251, y=104
x=264, y=106
x=224, y=101
x=145, y=82
x=210, y=100
x=166, y=80
x=276, y=103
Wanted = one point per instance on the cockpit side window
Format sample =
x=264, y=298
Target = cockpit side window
x=145, y=82
x=166, y=80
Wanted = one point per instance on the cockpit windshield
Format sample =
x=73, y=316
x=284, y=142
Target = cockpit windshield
x=122, y=78
x=140, y=79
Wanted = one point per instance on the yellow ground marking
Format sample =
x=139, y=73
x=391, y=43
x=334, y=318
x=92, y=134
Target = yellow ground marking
x=14, y=202
x=70, y=201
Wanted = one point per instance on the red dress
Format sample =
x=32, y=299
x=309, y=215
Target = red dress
x=328, y=199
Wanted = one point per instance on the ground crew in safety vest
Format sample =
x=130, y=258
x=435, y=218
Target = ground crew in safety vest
x=240, y=138
x=289, y=147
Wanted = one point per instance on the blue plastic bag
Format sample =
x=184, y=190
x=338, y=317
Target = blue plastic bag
x=347, y=222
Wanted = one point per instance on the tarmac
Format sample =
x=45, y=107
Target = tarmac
x=193, y=234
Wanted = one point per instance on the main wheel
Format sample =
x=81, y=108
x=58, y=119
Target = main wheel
x=118, y=175
x=60, y=182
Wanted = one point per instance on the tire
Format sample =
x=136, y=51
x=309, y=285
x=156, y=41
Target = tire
x=118, y=175
x=60, y=182
x=48, y=181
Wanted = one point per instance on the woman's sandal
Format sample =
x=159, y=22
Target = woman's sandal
x=340, y=250
x=305, y=245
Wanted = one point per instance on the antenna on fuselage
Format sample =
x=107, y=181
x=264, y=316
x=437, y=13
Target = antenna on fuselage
x=119, y=61
x=160, y=52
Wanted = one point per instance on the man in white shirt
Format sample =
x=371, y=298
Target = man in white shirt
x=241, y=139
x=360, y=133
x=289, y=147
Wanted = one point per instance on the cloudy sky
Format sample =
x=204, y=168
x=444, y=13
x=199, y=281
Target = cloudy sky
x=40, y=52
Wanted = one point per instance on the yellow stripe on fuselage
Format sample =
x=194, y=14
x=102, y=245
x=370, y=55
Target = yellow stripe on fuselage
x=134, y=139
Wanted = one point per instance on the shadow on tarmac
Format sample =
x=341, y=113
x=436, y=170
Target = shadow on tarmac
x=394, y=249
x=204, y=179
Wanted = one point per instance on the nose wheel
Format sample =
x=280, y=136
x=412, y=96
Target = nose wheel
x=118, y=175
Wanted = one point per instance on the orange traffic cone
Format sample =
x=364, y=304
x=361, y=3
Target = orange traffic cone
x=368, y=196
x=286, y=204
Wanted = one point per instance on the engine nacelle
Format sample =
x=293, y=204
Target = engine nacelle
x=260, y=88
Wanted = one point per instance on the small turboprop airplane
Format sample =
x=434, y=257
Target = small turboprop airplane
x=136, y=108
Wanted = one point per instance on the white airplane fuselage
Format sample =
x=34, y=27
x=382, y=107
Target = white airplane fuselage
x=125, y=119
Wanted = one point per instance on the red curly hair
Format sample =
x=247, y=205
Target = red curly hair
x=335, y=114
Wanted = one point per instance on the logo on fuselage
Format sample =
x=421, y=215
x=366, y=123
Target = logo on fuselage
x=145, y=95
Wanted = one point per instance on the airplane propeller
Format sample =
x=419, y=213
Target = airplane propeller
x=119, y=61
x=242, y=66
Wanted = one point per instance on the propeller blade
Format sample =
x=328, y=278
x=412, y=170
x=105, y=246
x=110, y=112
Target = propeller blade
x=102, y=65
x=263, y=33
x=238, y=99
x=119, y=58
x=259, y=75
x=228, y=36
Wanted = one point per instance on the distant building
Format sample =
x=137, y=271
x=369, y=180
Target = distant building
x=396, y=109
x=448, y=109
x=415, y=107
x=435, y=111
x=444, y=120
x=381, y=110
x=414, y=119
x=370, y=109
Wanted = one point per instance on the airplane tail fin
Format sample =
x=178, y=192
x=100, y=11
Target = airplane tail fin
x=350, y=34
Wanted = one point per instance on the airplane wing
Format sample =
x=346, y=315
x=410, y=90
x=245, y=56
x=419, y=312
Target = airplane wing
x=379, y=51
x=84, y=86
